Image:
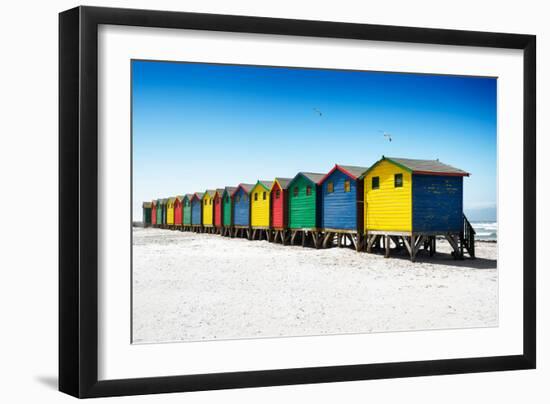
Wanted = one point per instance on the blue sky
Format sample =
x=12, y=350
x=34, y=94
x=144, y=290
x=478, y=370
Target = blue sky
x=197, y=126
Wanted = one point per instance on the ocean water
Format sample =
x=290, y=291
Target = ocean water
x=485, y=230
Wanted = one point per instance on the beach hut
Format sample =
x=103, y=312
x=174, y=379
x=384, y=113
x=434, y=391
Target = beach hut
x=260, y=209
x=278, y=207
x=178, y=211
x=196, y=212
x=159, y=212
x=227, y=211
x=146, y=214
x=187, y=211
x=304, y=209
x=408, y=202
x=218, y=209
x=154, y=213
x=241, y=210
x=208, y=210
x=342, y=206
x=163, y=212
x=170, y=212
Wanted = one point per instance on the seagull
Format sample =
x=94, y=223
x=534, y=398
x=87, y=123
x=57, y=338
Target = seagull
x=319, y=112
x=386, y=135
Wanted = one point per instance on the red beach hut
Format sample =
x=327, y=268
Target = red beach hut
x=178, y=211
x=154, y=213
x=218, y=219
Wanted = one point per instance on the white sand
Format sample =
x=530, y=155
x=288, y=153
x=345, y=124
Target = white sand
x=196, y=286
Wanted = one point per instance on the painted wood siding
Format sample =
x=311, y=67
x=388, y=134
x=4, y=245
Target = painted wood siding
x=177, y=212
x=218, y=211
x=227, y=209
x=241, y=208
x=154, y=214
x=278, y=196
x=170, y=213
x=186, y=211
x=339, y=207
x=207, y=210
x=437, y=203
x=159, y=214
x=302, y=209
x=259, y=206
x=147, y=215
x=388, y=208
x=196, y=211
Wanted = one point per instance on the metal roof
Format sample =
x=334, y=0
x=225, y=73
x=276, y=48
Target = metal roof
x=283, y=182
x=188, y=196
x=352, y=171
x=246, y=187
x=356, y=171
x=313, y=177
x=266, y=184
x=146, y=204
x=219, y=191
x=199, y=195
x=211, y=192
x=230, y=190
x=173, y=199
x=426, y=166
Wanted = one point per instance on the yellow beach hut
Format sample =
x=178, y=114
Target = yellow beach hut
x=208, y=210
x=408, y=202
x=170, y=212
x=260, y=209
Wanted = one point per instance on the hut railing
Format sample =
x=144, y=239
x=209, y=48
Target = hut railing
x=468, y=237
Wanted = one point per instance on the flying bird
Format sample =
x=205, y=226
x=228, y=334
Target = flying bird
x=386, y=135
x=319, y=112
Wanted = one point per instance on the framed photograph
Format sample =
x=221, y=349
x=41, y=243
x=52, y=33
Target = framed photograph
x=250, y=201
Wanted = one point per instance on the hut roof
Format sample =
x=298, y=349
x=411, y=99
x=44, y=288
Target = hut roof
x=198, y=195
x=266, y=184
x=428, y=167
x=229, y=190
x=188, y=196
x=173, y=199
x=146, y=204
x=283, y=182
x=352, y=171
x=219, y=190
x=313, y=177
x=210, y=192
x=179, y=197
x=246, y=188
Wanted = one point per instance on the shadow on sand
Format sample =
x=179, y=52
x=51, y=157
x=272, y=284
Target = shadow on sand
x=444, y=259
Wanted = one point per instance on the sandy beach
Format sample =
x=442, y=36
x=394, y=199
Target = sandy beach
x=189, y=287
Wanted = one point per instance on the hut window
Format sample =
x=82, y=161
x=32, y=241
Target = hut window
x=238, y=198
x=375, y=182
x=227, y=199
x=255, y=196
x=347, y=186
x=308, y=190
x=244, y=198
x=330, y=187
x=398, y=180
x=264, y=195
x=277, y=194
x=295, y=192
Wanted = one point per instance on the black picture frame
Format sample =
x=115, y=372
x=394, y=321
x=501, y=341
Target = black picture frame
x=78, y=201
